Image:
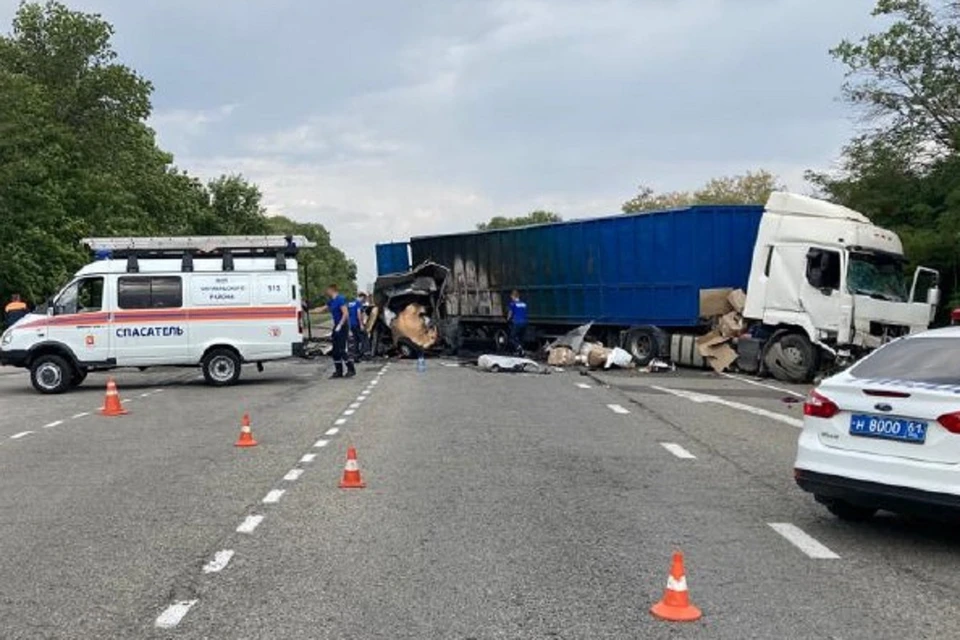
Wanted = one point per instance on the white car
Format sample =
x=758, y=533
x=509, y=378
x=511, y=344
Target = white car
x=885, y=434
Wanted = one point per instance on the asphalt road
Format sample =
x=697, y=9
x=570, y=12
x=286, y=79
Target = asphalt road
x=497, y=506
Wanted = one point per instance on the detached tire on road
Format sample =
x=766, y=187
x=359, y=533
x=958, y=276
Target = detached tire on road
x=51, y=374
x=221, y=367
x=792, y=358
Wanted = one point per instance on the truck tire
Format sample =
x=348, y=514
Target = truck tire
x=51, y=374
x=792, y=358
x=644, y=344
x=221, y=367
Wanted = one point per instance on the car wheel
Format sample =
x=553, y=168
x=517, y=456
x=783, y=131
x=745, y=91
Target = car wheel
x=51, y=374
x=792, y=358
x=850, y=512
x=221, y=367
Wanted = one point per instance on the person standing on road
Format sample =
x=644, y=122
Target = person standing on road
x=341, y=316
x=14, y=310
x=516, y=321
x=357, y=312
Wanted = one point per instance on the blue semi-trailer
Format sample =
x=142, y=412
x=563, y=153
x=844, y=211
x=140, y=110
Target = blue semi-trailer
x=822, y=282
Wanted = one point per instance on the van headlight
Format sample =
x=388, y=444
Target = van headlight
x=7, y=338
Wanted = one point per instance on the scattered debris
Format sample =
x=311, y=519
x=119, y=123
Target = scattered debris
x=497, y=364
x=659, y=366
x=619, y=358
x=573, y=339
x=561, y=356
x=715, y=302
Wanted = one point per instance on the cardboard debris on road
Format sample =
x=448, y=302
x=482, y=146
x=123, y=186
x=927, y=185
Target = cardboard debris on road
x=737, y=300
x=716, y=351
x=561, y=356
x=597, y=357
x=730, y=325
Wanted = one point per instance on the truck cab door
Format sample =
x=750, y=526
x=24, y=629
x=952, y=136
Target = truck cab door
x=821, y=296
x=80, y=320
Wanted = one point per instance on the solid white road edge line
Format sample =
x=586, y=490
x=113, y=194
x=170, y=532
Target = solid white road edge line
x=616, y=408
x=320, y=443
x=757, y=383
x=308, y=457
x=17, y=436
x=248, y=525
x=678, y=451
x=293, y=474
x=803, y=541
x=701, y=398
x=584, y=386
x=220, y=561
x=273, y=496
x=173, y=614
x=55, y=423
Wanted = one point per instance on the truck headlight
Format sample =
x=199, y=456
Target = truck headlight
x=7, y=338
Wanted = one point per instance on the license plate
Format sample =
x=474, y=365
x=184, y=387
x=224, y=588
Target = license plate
x=888, y=428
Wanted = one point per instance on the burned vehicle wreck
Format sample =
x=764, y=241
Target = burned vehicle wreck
x=409, y=315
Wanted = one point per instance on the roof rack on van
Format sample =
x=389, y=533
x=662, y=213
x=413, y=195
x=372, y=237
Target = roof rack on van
x=187, y=247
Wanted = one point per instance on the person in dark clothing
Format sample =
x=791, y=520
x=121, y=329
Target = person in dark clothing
x=516, y=321
x=338, y=311
x=14, y=310
x=357, y=312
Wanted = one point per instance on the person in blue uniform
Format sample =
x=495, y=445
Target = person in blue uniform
x=516, y=321
x=341, y=317
x=358, y=318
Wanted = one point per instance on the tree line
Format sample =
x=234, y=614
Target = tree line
x=77, y=159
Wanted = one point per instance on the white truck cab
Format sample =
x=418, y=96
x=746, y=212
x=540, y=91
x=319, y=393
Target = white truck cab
x=825, y=273
x=216, y=302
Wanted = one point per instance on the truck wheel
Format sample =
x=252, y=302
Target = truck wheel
x=792, y=358
x=51, y=374
x=644, y=344
x=221, y=367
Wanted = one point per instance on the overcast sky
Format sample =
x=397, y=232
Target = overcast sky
x=384, y=119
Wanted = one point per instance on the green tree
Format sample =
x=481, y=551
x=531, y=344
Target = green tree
x=321, y=265
x=749, y=188
x=534, y=217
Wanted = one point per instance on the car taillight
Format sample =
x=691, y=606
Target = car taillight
x=950, y=421
x=819, y=406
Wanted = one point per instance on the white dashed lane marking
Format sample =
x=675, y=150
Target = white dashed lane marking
x=22, y=434
x=320, y=443
x=332, y=431
x=83, y=414
x=293, y=474
x=308, y=457
x=173, y=614
x=678, y=451
x=349, y=412
x=702, y=398
x=616, y=408
x=340, y=421
x=220, y=561
x=584, y=386
x=273, y=496
x=803, y=541
x=355, y=405
x=248, y=525
x=55, y=423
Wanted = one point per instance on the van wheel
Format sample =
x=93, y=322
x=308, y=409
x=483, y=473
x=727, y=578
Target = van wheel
x=221, y=367
x=850, y=512
x=51, y=374
x=792, y=358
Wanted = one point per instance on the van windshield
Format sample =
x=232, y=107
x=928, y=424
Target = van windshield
x=877, y=275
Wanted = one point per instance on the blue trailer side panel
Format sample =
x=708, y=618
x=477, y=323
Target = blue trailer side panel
x=620, y=270
x=393, y=257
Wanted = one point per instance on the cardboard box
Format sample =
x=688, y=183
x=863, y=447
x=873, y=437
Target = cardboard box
x=713, y=302
x=737, y=300
x=721, y=356
x=731, y=325
x=598, y=357
x=561, y=357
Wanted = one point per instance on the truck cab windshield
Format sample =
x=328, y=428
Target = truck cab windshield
x=877, y=275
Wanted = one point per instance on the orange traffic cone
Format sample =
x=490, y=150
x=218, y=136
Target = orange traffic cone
x=111, y=403
x=246, y=435
x=675, y=606
x=351, y=472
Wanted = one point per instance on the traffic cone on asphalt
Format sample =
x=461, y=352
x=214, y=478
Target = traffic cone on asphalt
x=675, y=606
x=111, y=403
x=246, y=435
x=351, y=472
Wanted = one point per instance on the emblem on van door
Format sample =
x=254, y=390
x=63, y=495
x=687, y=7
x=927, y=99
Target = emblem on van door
x=882, y=407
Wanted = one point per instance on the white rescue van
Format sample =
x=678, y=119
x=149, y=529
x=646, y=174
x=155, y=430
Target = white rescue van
x=216, y=302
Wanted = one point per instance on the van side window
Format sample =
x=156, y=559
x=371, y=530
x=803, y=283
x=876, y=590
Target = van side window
x=83, y=296
x=150, y=292
x=823, y=269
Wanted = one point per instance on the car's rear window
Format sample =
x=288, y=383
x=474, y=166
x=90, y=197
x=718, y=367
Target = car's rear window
x=930, y=360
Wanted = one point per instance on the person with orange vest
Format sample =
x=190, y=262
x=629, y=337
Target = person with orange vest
x=14, y=310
